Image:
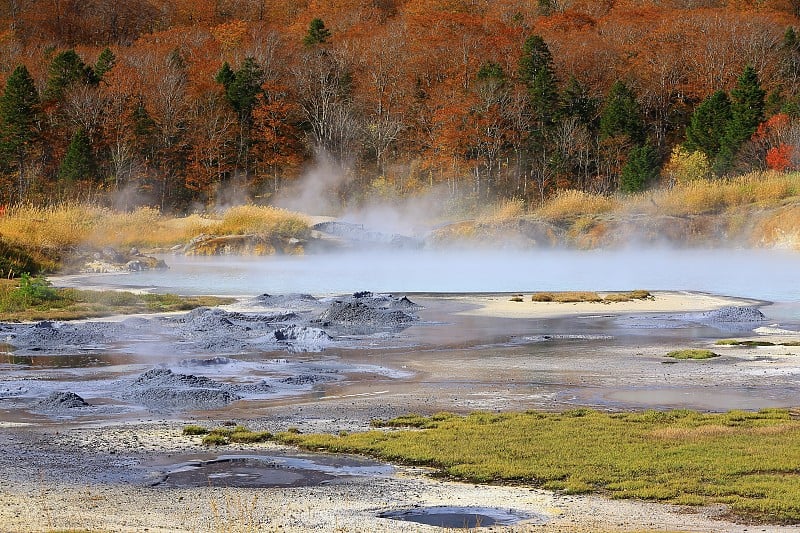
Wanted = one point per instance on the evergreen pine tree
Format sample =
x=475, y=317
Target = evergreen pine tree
x=708, y=124
x=537, y=72
x=66, y=69
x=225, y=75
x=576, y=102
x=105, y=62
x=641, y=168
x=79, y=163
x=317, y=33
x=242, y=91
x=18, y=114
x=143, y=125
x=622, y=115
x=747, y=108
x=747, y=112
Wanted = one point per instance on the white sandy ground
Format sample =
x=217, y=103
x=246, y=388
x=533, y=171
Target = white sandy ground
x=501, y=306
x=35, y=499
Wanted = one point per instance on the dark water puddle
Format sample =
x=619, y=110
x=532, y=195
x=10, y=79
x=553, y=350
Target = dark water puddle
x=265, y=471
x=462, y=517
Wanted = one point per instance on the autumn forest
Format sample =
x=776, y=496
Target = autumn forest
x=185, y=103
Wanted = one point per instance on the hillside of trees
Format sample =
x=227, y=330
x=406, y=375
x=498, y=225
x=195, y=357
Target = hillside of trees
x=186, y=103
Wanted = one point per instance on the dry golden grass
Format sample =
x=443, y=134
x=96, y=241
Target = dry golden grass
x=760, y=188
x=567, y=297
x=59, y=226
x=571, y=203
x=259, y=220
x=637, y=294
x=763, y=189
x=503, y=211
x=66, y=226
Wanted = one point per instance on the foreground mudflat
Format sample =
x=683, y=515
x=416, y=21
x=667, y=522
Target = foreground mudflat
x=67, y=465
x=102, y=479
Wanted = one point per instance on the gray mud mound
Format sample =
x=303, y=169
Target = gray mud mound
x=303, y=338
x=166, y=377
x=732, y=314
x=162, y=389
x=58, y=337
x=211, y=319
x=370, y=312
x=308, y=379
x=58, y=401
x=279, y=318
x=301, y=334
x=288, y=301
x=392, y=302
x=214, y=330
x=162, y=398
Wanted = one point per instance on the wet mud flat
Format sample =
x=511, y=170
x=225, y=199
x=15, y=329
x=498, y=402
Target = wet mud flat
x=208, y=358
x=126, y=444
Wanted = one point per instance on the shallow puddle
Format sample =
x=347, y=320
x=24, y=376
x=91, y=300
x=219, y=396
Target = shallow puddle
x=462, y=517
x=266, y=471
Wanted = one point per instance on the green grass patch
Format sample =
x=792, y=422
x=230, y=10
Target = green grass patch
x=32, y=298
x=747, y=460
x=215, y=439
x=692, y=354
x=226, y=435
x=752, y=343
x=734, y=342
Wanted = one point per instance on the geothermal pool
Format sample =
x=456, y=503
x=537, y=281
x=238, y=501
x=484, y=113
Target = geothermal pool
x=761, y=274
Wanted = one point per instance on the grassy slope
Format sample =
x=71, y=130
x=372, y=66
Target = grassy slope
x=750, y=461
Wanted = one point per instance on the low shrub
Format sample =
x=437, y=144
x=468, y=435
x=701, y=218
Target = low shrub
x=692, y=354
x=215, y=439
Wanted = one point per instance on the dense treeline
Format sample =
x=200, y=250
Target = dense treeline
x=185, y=102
